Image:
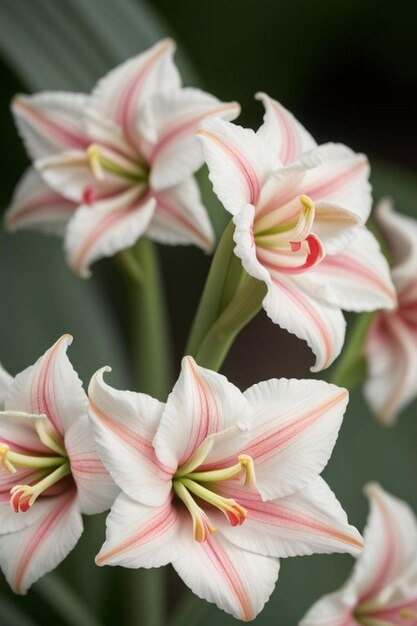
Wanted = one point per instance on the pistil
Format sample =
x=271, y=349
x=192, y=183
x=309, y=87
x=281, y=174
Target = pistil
x=11, y=460
x=245, y=463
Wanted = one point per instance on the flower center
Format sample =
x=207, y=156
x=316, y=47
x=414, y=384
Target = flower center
x=48, y=470
x=104, y=161
x=189, y=484
x=283, y=237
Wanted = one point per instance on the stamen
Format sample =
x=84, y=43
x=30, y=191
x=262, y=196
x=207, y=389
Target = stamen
x=49, y=437
x=235, y=513
x=407, y=613
x=100, y=163
x=245, y=464
x=24, y=496
x=201, y=523
x=10, y=460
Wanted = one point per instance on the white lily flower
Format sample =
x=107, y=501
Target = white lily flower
x=299, y=210
x=391, y=346
x=49, y=470
x=117, y=164
x=382, y=589
x=221, y=483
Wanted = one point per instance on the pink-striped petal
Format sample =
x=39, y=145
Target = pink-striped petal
x=357, y=278
x=119, y=95
x=239, y=162
x=168, y=123
x=181, y=218
x=50, y=387
x=333, y=609
x=237, y=581
x=287, y=137
x=201, y=404
x=391, y=352
x=341, y=179
x=17, y=430
x=50, y=122
x=106, y=227
x=27, y=554
x=144, y=536
x=124, y=426
x=336, y=227
x=35, y=206
x=5, y=382
x=96, y=490
x=400, y=231
x=308, y=521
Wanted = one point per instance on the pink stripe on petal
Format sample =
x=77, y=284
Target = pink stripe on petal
x=397, y=613
x=41, y=207
x=334, y=183
x=342, y=263
x=170, y=211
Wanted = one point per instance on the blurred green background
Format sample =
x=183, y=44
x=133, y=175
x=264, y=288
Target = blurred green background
x=347, y=70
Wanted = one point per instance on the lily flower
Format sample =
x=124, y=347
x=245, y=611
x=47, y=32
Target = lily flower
x=221, y=483
x=49, y=471
x=299, y=210
x=391, y=346
x=382, y=589
x=116, y=165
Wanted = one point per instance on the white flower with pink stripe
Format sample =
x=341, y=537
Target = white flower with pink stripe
x=221, y=483
x=299, y=211
x=382, y=589
x=49, y=471
x=391, y=347
x=117, y=164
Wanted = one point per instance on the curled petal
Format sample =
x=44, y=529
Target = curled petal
x=124, y=426
x=180, y=217
x=27, y=554
x=105, y=228
x=50, y=387
x=288, y=138
x=169, y=122
x=239, y=162
x=36, y=206
x=237, y=581
x=50, y=122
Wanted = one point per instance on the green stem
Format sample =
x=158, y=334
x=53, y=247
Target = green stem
x=65, y=601
x=146, y=597
x=350, y=369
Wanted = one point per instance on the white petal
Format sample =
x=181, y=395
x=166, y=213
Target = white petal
x=181, y=218
x=96, y=489
x=334, y=226
x=308, y=521
x=357, y=278
x=239, y=162
x=245, y=247
x=333, y=609
x=294, y=426
x=27, y=554
x=201, y=404
x=391, y=352
x=5, y=382
x=106, y=228
x=50, y=122
x=169, y=122
x=288, y=138
x=17, y=430
x=124, y=425
x=35, y=206
x=9, y=520
x=237, y=581
x=290, y=305
x=143, y=536
x=119, y=95
x=401, y=234
x=342, y=179
x=50, y=387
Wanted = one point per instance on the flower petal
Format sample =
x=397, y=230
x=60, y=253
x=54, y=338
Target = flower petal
x=181, y=218
x=333, y=609
x=201, y=404
x=168, y=122
x=288, y=138
x=106, y=228
x=336, y=227
x=143, y=536
x=401, y=233
x=124, y=425
x=357, y=278
x=391, y=352
x=119, y=95
x=17, y=430
x=96, y=490
x=35, y=206
x=341, y=179
x=308, y=521
x=50, y=122
x=50, y=387
x=26, y=555
x=237, y=581
x=239, y=162
x=5, y=382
